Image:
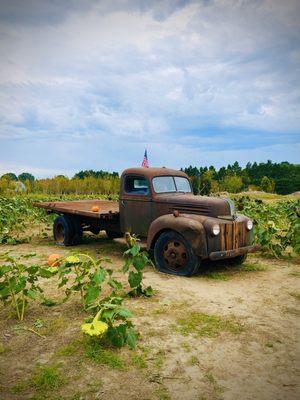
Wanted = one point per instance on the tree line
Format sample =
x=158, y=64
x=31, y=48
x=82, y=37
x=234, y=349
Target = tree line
x=282, y=178
x=83, y=182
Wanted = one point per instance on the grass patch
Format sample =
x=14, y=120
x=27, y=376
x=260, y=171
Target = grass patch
x=219, y=276
x=162, y=393
x=295, y=273
x=186, y=347
x=193, y=361
x=4, y=349
x=247, y=267
x=139, y=360
x=46, y=378
x=159, y=359
x=54, y=325
x=95, y=352
x=212, y=380
x=201, y=324
x=296, y=295
x=70, y=349
x=269, y=344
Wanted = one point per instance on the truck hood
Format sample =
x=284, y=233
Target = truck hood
x=202, y=205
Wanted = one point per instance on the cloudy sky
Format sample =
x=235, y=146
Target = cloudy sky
x=90, y=84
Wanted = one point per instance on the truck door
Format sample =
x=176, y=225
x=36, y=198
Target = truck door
x=135, y=204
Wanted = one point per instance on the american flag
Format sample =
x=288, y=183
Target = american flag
x=145, y=163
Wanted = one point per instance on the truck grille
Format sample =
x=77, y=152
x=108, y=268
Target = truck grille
x=232, y=236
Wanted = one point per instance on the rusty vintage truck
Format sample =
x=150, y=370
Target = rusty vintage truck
x=158, y=205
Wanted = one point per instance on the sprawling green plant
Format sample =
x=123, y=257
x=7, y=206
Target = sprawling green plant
x=16, y=214
x=120, y=330
x=88, y=280
x=136, y=261
x=276, y=225
x=19, y=282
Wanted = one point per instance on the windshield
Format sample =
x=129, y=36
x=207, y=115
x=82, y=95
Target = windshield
x=170, y=184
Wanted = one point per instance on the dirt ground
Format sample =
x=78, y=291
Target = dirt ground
x=228, y=333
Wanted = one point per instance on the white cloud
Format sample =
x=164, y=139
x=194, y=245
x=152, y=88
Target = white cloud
x=148, y=72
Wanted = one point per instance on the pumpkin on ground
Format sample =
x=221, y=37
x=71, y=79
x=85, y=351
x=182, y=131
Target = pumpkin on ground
x=54, y=260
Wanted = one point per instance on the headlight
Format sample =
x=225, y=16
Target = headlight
x=216, y=230
x=249, y=224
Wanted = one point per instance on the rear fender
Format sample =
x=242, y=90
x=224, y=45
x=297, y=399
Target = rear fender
x=192, y=230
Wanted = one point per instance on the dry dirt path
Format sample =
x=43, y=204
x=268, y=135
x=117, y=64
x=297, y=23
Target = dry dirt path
x=226, y=334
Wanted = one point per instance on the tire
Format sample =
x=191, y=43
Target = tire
x=112, y=235
x=237, y=260
x=67, y=231
x=174, y=255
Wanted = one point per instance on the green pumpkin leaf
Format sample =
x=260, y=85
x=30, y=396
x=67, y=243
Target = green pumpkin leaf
x=99, y=276
x=92, y=294
x=134, y=279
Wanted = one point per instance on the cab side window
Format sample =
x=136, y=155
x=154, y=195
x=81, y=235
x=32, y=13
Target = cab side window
x=136, y=185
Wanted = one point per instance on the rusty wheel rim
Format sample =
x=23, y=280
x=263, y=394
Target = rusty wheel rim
x=60, y=233
x=175, y=255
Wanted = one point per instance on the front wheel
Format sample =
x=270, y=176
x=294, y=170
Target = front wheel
x=174, y=255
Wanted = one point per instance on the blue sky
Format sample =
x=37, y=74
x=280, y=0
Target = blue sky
x=89, y=85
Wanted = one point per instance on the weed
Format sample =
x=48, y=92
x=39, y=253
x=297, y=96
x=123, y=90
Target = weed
x=186, y=347
x=212, y=380
x=4, y=349
x=70, y=349
x=159, y=359
x=95, y=352
x=193, y=361
x=162, y=393
x=54, y=325
x=220, y=276
x=46, y=378
x=201, y=324
x=138, y=360
x=295, y=273
x=247, y=267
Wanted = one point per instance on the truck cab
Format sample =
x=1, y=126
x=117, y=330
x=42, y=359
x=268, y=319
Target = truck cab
x=158, y=205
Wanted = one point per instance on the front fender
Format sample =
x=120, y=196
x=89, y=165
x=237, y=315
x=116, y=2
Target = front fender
x=193, y=231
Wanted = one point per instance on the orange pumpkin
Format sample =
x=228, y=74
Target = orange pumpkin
x=54, y=260
x=95, y=209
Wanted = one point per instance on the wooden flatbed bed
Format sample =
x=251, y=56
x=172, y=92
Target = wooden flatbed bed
x=107, y=209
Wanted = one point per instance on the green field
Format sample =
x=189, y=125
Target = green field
x=196, y=338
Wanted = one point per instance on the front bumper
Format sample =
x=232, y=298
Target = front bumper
x=219, y=255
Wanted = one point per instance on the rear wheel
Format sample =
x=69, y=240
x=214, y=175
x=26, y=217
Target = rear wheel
x=63, y=231
x=174, y=255
x=67, y=231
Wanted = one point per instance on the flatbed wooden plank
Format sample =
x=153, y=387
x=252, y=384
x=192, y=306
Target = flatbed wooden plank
x=82, y=207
